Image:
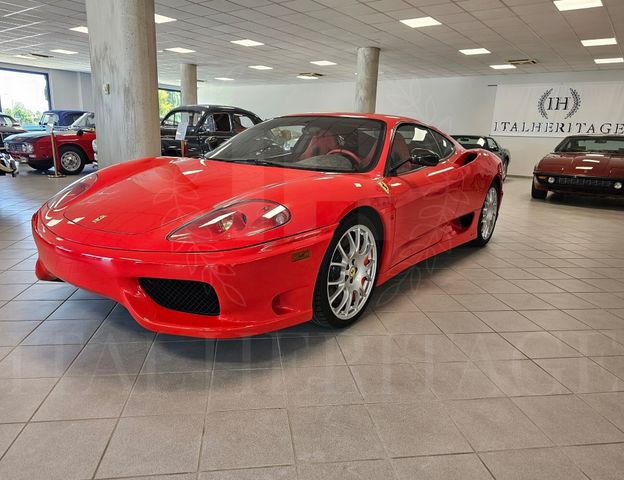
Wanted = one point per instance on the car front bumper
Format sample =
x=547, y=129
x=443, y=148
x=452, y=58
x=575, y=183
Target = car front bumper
x=259, y=289
x=577, y=184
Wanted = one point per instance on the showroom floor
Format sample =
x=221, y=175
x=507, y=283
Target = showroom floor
x=501, y=362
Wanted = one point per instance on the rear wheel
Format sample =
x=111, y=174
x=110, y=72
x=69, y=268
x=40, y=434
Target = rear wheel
x=538, y=194
x=488, y=217
x=348, y=273
x=72, y=160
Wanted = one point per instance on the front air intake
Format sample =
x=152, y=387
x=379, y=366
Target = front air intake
x=185, y=296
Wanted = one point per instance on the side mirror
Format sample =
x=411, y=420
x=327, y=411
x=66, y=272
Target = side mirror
x=424, y=157
x=80, y=132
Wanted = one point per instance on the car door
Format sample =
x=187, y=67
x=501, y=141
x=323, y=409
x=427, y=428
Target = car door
x=425, y=198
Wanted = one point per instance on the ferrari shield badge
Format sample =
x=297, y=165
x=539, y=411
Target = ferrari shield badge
x=98, y=219
x=384, y=186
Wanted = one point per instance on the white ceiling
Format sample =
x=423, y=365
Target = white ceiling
x=296, y=32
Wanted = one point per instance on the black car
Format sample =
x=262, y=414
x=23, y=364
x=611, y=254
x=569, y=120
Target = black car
x=487, y=143
x=8, y=126
x=209, y=126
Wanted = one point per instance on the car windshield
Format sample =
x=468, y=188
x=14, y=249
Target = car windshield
x=592, y=145
x=469, y=141
x=86, y=121
x=49, y=117
x=333, y=144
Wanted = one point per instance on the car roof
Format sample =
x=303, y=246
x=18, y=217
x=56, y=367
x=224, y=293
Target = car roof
x=392, y=119
x=57, y=111
x=211, y=108
x=468, y=135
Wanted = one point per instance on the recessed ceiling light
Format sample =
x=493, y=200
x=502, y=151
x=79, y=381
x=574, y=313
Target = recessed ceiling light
x=420, y=22
x=323, y=63
x=597, y=42
x=81, y=29
x=247, y=43
x=64, y=52
x=601, y=61
x=504, y=66
x=179, y=50
x=260, y=67
x=224, y=79
x=475, y=51
x=309, y=76
x=28, y=57
x=163, y=19
x=565, y=5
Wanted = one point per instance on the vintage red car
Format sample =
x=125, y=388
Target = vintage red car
x=297, y=218
x=582, y=164
x=74, y=146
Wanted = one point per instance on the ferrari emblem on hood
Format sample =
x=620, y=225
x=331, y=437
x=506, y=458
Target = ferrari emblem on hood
x=384, y=186
x=98, y=219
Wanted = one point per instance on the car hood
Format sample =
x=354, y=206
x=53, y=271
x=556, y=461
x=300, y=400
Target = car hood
x=136, y=205
x=27, y=137
x=588, y=164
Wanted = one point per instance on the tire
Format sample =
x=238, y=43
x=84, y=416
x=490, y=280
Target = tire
x=505, y=168
x=538, y=194
x=72, y=160
x=363, y=269
x=488, y=217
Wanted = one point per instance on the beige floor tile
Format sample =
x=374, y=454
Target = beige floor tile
x=591, y=343
x=485, y=346
x=459, y=380
x=247, y=389
x=599, y=462
x=534, y=464
x=429, y=348
x=441, y=467
x=581, y=375
x=458, y=322
x=372, y=349
x=521, y=378
x=437, y=303
x=496, y=424
x=599, y=319
x=609, y=405
x=408, y=322
x=554, y=320
x=362, y=470
x=523, y=301
x=42, y=449
x=328, y=385
x=423, y=428
x=265, y=473
x=567, y=420
x=540, y=345
x=507, y=321
x=392, y=382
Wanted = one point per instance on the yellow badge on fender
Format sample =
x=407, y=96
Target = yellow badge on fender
x=301, y=255
x=384, y=186
x=98, y=219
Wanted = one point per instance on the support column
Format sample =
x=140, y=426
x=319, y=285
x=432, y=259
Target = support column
x=188, y=83
x=366, y=82
x=122, y=41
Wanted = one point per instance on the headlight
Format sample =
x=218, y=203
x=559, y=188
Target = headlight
x=28, y=148
x=67, y=195
x=239, y=220
x=94, y=145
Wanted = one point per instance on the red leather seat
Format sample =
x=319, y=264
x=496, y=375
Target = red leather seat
x=320, y=145
x=399, y=154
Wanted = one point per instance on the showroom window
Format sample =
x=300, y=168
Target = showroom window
x=24, y=95
x=168, y=100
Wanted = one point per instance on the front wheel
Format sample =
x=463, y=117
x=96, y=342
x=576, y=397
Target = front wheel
x=488, y=217
x=348, y=273
x=538, y=194
x=72, y=160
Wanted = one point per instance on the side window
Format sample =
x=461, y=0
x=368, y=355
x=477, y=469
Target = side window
x=446, y=147
x=4, y=121
x=492, y=145
x=74, y=116
x=406, y=139
x=222, y=122
x=241, y=122
x=172, y=119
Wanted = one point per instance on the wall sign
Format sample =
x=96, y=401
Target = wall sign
x=559, y=110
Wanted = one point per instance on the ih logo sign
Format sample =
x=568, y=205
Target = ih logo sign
x=549, y=103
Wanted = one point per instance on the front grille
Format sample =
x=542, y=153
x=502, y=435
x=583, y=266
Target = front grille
x=182, y=295
x=584, y=182
x=16, y=147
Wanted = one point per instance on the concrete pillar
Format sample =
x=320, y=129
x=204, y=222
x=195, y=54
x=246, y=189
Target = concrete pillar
x=122, y=41
x=188, y=83
x=366, y=82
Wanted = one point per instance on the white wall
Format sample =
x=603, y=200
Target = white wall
x=455, y=105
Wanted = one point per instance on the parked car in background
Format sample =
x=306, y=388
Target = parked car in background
x=582, y=164
x=209, y=126
x=8, y=126
x=487, y=143
x=75, y=146
x=62, y=119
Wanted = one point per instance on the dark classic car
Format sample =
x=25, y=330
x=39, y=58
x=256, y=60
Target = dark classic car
x=209, y=126
x=8, y=126
x=582, y=164
x=487, y=143
x=62, y=119
x=74, y=146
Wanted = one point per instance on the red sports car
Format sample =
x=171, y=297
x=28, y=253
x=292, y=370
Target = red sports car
x=589, y=165
x=297, y=218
